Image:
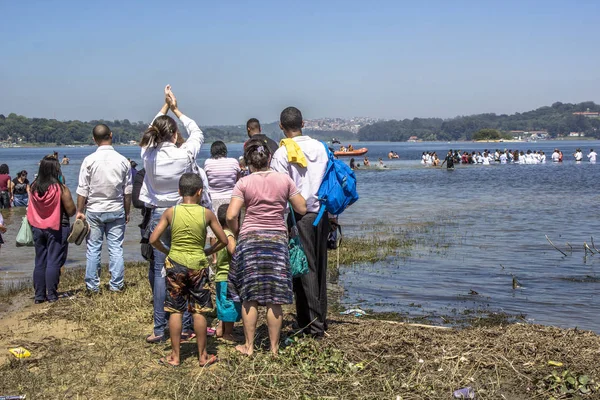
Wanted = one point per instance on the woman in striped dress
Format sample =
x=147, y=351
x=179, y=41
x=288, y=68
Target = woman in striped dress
x=260, y=272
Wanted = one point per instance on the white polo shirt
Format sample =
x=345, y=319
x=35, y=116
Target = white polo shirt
x=308, y=179
x=104, y=178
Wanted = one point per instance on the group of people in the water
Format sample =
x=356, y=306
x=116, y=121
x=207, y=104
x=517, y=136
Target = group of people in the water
x=367, y=163
x=505, y=156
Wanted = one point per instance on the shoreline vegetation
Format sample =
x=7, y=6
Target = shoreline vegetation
x=94, y=348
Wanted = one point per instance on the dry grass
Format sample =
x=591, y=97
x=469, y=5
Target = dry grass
x=101, y=354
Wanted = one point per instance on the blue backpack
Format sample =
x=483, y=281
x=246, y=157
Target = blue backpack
x=338, y=188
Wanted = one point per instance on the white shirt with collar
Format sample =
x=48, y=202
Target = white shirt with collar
x=166, y=163
x=308, y=179
x=104, y=178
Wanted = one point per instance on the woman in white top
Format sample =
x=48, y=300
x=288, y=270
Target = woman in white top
x=164, y=163
x=222, y=173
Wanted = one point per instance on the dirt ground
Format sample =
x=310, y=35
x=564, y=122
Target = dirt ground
x=93, y=348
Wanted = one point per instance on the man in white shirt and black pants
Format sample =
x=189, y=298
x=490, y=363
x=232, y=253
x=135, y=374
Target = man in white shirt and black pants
x=310, y=289
x=104, y=194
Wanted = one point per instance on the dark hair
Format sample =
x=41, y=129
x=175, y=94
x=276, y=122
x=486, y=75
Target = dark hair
x=101, y=133
x=257, y=154
x=22, y=173
x=253, y=124
x=4, y=169
x=189, y=184
x=222, y=214
x=218, y=149
x=291, y=119
x=162, y=130
x=47, y=175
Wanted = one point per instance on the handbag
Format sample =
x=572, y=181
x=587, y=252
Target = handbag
x=25, y=235
x=298, y=260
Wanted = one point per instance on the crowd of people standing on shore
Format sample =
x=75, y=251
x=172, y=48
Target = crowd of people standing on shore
x=195, y=221
x=505, y=156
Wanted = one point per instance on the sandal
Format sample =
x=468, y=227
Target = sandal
x=165, y=363
x=187, y=336
x=155, y=339
x=211, y=360
x=211, y=331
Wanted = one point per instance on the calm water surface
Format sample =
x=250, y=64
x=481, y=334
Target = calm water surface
x=481, y=225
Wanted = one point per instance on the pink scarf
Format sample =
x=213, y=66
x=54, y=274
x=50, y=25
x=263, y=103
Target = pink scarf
x=44, y=212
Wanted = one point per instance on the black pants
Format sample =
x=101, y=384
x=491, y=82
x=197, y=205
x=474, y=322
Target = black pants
x=311, y=289
x=51, y=249
x=4, y=199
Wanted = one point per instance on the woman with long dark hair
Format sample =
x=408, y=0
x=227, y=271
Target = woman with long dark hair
x=21, y=190
x=164, y=162
x=50, y=207
x=260, y=272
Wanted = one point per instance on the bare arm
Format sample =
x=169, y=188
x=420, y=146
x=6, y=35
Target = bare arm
x=233, y=212
x=298, y=203
x=222, y=240
x=162, y=226
x=231, y=244
x=81, y=200
x=127, y=205
x=67, y=201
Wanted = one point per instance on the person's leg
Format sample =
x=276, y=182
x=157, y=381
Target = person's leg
x=308, y=287
x=274, y=321
x=57, y=255
x=227, y=312
x=249, y=317
x=175, y=332
x=159, y=273
x=322, y=233
x=39, y=271
x=200, y=329
x=94, y=251
x=115, y=234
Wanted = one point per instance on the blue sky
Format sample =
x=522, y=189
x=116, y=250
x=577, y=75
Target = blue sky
x=231, y=60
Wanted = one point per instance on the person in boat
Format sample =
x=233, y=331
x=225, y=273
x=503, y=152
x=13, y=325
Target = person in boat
x=352, y=166
x=342, y=148
x=366, y=162
x=65, y=160
x=350, y=147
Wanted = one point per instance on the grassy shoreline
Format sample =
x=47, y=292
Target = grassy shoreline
x=93, y=348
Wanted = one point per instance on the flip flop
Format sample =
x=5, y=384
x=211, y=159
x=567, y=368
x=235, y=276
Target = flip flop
x=212, y=359
x=165, y=363
x=211, y=331
x=186, y=337
x=158, y=339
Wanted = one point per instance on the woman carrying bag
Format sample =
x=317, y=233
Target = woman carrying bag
x=50, y=206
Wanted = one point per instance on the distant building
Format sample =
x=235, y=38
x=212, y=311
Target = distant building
x=413, y=139
x=588, y=114
x=576, y=134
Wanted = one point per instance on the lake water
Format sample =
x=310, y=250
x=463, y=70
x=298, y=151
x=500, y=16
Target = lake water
x=482, y=225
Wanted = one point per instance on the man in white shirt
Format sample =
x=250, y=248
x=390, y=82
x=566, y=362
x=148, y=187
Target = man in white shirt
x=104, y=195
x=592, y=156
x=578, y=155
x=555, y=156
x=310, y=289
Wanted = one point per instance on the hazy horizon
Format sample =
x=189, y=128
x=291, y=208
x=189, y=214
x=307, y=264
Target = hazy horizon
x=229, y=62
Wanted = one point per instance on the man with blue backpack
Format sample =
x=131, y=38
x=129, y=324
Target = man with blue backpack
x=327, y=188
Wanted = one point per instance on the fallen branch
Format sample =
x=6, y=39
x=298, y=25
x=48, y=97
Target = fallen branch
x=587, y=248
x=593, y=245
x=550, y=241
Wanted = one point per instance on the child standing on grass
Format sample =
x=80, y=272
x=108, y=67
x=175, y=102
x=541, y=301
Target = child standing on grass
x=186, y=265
x=228, y=312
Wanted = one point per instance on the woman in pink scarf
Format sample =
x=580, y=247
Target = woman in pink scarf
x=50, y=207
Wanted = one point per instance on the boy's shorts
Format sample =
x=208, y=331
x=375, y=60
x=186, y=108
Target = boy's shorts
x=187, y=289
x=227, y=309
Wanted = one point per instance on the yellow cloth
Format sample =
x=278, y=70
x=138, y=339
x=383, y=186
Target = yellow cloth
x=294, y=152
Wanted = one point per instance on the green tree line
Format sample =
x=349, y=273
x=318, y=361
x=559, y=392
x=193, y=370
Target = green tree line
x=557, y=120
x=19, y=129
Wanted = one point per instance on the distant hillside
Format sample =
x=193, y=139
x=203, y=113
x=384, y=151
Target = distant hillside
x=22, y=130
x=558, y=120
